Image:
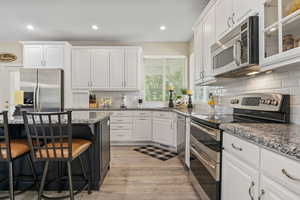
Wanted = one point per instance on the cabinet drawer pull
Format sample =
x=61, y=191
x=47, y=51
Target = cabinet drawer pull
x=236, y=148
x=262, y=193
x=250, y=190
x=289, y=176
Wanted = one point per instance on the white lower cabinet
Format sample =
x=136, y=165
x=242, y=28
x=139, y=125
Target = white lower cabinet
x=163, y=131
x=144, y=126
x=142, y=129
x=274, y=178
x=240, y=182
x=270, y=190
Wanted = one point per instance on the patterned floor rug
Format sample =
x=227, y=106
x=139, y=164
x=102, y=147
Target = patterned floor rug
x=156, y=152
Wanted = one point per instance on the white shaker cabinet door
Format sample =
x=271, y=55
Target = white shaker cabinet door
x=239, y=181
x=242, y=8
x=209, y=38
x=117, y=61
x=163, y=131
x=100, y=69
x=223, y=16
x=33, y=55
x=54, y=56
x=272, y=191
x=131, y=69
x=142, y=129
x=81, y=67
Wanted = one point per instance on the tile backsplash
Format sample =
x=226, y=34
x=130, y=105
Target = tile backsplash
x=283, y=82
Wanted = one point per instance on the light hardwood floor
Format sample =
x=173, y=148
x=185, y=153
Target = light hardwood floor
x=135, y=176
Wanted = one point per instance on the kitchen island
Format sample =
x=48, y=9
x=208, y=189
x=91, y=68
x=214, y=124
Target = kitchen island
x=93, y=126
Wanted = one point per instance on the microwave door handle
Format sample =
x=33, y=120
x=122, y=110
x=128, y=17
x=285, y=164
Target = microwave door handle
x=239, y=47
x=35, y=99
x=235, y=53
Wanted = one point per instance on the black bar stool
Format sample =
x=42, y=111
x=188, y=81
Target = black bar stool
x=10, y=150
x=52, y=136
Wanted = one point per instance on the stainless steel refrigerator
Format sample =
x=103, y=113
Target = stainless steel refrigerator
x=45, y=87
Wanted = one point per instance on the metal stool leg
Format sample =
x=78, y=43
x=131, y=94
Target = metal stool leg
x=43, y=180
x=11, y=181
x=84, y=170
x=70, y=180
x=33, y=171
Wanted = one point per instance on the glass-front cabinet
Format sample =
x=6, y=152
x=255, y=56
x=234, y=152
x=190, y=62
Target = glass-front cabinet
x=280, y=26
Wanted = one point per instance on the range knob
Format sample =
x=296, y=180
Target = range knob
x=262, y=101
x=269, y=101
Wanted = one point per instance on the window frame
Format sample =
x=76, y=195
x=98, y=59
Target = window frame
x=186, y=70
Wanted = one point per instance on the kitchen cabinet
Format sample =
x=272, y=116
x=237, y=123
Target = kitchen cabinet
x=163, y=132
x=44, y=54
x=106, y=68
x=223, y=17
x=209, y=38
x=280, y=34
x=117, y=64
x=250, y=171
x=239, y=181
x=105, y=149
x=230, y=13
x=81, y=68
x=100, y=69
x=142, y=129
x=273, y=191
x=132, y=62
x=198, y=67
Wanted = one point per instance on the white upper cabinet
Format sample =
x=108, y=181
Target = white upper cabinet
x=44, y=54
x=223, y=17
x=33, y=55
x=106, y=68
x=100, y=69
x=131, y=68
x=230, y=13
x=209, y=38
x=242, y=9
x=117, y=59
x=280, y=35
x=198, y=67
x=54, y=56
x=81, y=67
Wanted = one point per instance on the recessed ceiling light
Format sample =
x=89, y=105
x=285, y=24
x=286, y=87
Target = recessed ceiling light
x=162, y=28
x=30, y=27
x=252, y=73
x=95, y=27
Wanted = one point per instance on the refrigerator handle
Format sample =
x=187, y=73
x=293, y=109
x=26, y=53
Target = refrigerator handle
x=35, y=99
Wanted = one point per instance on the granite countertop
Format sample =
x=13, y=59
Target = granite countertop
x=183, y=111
x=281, y=138
x=78, y=117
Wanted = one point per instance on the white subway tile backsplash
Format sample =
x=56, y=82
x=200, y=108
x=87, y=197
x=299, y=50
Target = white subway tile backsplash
x=283, y=82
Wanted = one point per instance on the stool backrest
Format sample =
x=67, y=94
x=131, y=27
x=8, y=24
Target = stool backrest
x=5, y=151
x=49, y=135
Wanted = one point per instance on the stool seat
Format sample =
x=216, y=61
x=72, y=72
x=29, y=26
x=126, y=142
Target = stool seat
x=18, y=147
x=78, y=146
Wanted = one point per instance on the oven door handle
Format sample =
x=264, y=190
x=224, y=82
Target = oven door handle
x=203, y=159
x=214, y=133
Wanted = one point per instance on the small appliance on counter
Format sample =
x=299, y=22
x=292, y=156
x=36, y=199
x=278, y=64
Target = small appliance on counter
x=123, y=101
x=206, y=136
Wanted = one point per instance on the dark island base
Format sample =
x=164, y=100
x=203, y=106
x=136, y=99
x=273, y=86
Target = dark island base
x=98, y=157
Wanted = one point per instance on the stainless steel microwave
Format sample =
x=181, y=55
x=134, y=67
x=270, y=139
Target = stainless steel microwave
x=239, y=55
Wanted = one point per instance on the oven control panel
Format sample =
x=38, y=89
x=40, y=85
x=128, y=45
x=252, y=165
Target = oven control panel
x=263, y=102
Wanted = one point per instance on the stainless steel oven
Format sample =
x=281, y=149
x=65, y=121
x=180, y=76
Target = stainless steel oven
x=205, y=160
x=239, y=54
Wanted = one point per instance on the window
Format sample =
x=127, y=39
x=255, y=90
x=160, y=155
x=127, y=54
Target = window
x=160, y=73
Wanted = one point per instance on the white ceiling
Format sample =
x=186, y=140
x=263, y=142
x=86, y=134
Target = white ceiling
x=118, y=20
